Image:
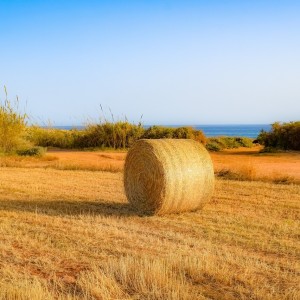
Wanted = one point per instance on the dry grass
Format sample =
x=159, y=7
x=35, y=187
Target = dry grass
x=15, y=161
x=69, y=160
x=72, y=235
x=248, y=173
x=240, y=164
x=249, y=164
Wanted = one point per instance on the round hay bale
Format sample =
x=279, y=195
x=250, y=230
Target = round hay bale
x=168, y=176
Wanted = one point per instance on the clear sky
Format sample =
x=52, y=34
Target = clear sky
x=175, y=62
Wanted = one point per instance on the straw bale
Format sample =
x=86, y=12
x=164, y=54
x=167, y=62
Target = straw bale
x=168, y=176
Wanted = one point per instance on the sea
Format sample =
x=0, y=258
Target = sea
x=240, y=130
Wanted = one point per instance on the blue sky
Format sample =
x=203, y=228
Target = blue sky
x=175, y=62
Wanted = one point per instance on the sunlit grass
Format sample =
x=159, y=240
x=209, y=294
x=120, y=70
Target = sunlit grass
x=72, y=235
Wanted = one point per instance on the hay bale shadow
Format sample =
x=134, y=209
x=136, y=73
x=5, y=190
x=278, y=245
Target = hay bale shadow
x=70, y=208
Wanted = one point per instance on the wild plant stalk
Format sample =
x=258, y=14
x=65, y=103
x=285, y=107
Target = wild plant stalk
x=12, y=125
x=113, y=128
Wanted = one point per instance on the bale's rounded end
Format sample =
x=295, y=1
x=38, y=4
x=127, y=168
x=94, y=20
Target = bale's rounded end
x=143, y=177
x=168, y=176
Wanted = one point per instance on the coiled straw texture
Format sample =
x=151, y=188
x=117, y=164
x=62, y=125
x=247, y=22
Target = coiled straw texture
x=168, y=176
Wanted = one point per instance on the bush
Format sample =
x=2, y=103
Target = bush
x=160, y=132
x=245, y=142
x=213, y=146
x=12, y=126
x=110, y=135
x=118, y=135
x=50, y=137
x=107, y=135
x=34, y=151
x=220, y=143
x=269, y=150
x=284, y=136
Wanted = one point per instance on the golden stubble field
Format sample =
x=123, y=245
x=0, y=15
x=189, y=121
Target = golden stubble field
x=248, y=163
x=67, y=232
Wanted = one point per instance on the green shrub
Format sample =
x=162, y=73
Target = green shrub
x=189, y=133
x=12, y=126
x=160, y=132
x=51, y=137
x=220, y=143
x=107, y=135
x=245, y=142
x=34, y=151
x=118, y=135
x=269, y=150
x=284, y=136
x=213, y=146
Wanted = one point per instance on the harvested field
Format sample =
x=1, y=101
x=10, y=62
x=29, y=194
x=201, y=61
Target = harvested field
x=72, y=235
x=243, y=163
x=263, y=166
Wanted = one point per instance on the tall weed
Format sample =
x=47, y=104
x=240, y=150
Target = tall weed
x=116, y=135
x=12, y=126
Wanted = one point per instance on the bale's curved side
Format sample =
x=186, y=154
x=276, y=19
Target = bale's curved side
x=167, y=175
